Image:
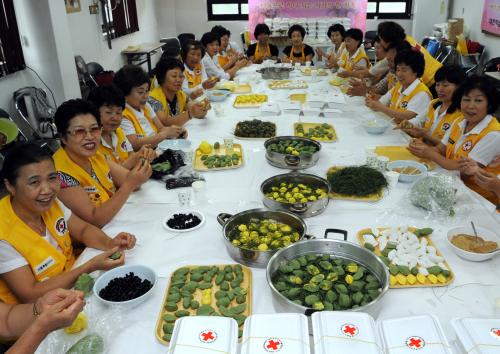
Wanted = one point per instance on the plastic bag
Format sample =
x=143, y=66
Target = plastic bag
x=174, y=158
x=435, y=193
x=104, y=322
x=184, y=177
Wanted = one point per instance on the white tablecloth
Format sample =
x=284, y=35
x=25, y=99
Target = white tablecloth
x=472, y=293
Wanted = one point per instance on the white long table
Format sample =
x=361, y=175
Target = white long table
x=472, y=293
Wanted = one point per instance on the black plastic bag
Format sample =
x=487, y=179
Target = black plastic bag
x=174, y=157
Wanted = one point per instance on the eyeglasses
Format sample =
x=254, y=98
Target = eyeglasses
x=81, y=132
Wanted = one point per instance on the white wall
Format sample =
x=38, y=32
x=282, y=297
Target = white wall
x=472, y=12
x=40, y=48
x=88, y=41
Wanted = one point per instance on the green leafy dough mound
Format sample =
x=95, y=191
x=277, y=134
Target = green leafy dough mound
x=356, y=181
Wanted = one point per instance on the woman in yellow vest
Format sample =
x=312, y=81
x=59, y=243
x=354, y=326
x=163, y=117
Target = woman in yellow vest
x=229, y=53
x=194, y=72
x=262, y=50
x=474, y=137
x=94, y=188
x=298, y=52
x=336, y=34
x=171, y=105
x=390, y=31
x=140, y=124
x=409, y=97
x=31, y=323
x=354, y=56
x=441, y=112
x=37, y=231
x=489, y=181
x=114, y=144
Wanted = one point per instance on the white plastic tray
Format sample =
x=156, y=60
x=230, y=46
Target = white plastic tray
x=478, y=335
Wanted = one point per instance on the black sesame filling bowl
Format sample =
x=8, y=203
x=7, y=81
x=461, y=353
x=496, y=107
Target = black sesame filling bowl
x=183, y=221
x=127, y=286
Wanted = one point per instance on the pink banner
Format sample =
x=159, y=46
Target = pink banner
x=262, y=9
x=491, y=17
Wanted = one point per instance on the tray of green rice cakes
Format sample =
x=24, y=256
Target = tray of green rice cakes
x=208, y=290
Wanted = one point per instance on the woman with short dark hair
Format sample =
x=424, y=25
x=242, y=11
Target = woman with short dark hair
x=262, y=50
x=336, y=35
x=298, y=52
x=194, y=71
x=354, y=57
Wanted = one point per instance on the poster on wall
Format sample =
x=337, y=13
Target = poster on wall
x=491, y=17
x=355, y=10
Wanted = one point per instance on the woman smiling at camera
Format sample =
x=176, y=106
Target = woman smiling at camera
x=94, y=188
x=37, y=231
x=473, y=140
x=298, y=52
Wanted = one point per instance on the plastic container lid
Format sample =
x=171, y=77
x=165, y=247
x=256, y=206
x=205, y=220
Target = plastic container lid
x=478, y=335
x=284, y=333
x=200, y=334
x=339, y=332
x=408, y=334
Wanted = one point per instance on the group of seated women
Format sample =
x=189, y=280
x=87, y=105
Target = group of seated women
x=58, y=203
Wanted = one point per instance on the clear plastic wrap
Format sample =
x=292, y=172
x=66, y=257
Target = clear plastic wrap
x=104, y=322
x=436, y=194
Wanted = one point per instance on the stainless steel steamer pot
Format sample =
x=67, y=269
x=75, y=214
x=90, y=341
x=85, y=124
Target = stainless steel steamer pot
x=256, y=258
x=289, y=161
x=338, y=249
x=305, y=209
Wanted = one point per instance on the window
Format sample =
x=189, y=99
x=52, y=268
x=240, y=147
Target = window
x=389, y=9
x=227, y=10
x=11, y=52
x=119, y=18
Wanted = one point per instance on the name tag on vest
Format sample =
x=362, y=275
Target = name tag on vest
x=46, y=264
x=451, y=141
x=90, y=189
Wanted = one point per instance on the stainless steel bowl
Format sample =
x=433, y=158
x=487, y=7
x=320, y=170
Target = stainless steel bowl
x=289, y=161
x=305, y=210
x=275, y=73
x=255, y=258
x=338, y=249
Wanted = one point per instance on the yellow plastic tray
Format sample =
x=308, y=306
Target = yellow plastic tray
x=372, y=198
x=417, y=284
x=298, y=97
x=246, y=284
x=237, y=148
x=309, y=126
x=287, y=85
x=238, y=104
x=395, y=153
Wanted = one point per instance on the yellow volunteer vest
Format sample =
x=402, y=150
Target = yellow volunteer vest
x=194, y=79
x=401, y=104
x=116, y=153
x=338, y=54
x=98, y=191
x=224, y=59
x=139, y=130
x=158, y=94
x=303, y=56
x=443, y=125
x=349, y=63
x=431, y=64
x=391, y=80
x=44, y=259
x=464, y=150
x=257, y=55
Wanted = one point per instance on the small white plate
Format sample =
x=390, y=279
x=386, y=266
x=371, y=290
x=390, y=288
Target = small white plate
x=187, y=211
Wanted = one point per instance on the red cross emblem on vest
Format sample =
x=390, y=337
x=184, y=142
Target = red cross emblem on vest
x=208, y=336
x=61, y=226
x=446, y=126
x=467, y=145
x=495, y=332
x=350, y=330
x=273, y=345
x=415, y=343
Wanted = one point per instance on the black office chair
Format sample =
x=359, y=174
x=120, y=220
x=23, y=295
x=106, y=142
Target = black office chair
x=184, y=37
x=94, y=69
x=491, y=65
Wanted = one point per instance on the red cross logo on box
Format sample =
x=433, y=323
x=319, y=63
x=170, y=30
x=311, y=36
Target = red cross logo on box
x=495, y=332
x=350, y=330
x=208, y=336
x=273, y=345
x=415, y=343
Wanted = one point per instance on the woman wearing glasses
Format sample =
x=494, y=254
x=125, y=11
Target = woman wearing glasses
x=37, y=231
x=94, y=188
